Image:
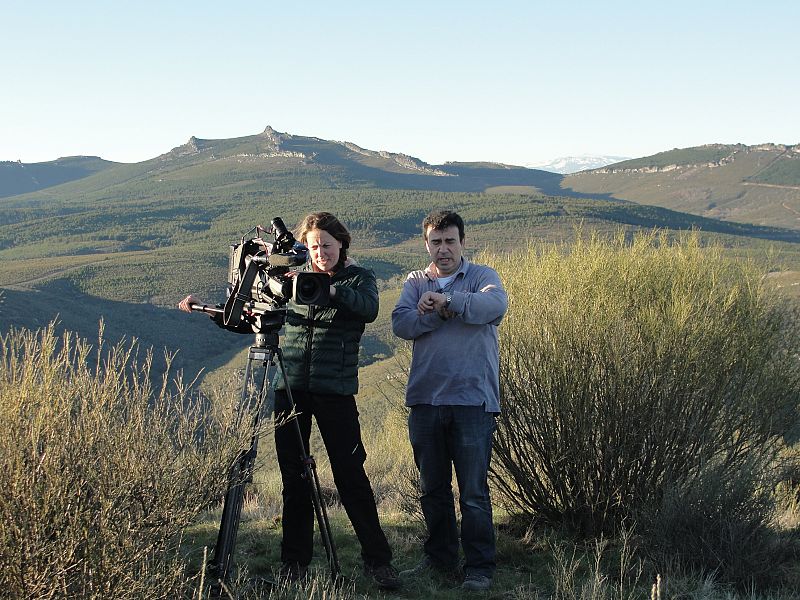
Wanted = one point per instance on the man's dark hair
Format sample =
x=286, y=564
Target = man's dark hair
x=442, y=219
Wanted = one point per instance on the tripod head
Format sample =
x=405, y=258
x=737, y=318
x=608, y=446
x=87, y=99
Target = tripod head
x=266, y=339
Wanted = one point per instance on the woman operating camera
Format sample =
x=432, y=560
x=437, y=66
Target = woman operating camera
x=320, y=350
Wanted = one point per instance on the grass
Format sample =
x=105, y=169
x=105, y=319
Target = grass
x=532, y=564
x=101, y=471
x=259, y=548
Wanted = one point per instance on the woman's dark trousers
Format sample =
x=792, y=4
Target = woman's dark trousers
x=337, y=420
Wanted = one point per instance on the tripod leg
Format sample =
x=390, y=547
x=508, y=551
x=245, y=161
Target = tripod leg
x=255, y=390
x=310, y=469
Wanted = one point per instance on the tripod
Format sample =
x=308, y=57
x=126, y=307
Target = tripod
x=260, y=368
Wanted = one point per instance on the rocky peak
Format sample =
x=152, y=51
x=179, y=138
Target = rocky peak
x=274, y=137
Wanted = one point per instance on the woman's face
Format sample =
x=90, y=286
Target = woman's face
x=324, y=249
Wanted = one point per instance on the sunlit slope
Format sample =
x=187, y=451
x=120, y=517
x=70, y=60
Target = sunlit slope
x=275, y=162
x=745, y=184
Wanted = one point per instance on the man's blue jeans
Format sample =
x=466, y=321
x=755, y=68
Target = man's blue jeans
x=444, y=437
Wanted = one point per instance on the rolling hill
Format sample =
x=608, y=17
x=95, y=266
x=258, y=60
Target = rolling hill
x=125, y=242
x=745, y=184
x=274, y=160
x=18, y=178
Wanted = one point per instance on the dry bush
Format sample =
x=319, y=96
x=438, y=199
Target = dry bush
x=634, y=374
x=721, y=525
x=101, y=471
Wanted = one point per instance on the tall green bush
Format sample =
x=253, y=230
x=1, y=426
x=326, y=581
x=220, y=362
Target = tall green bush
x=101, y=471
x=635, y=373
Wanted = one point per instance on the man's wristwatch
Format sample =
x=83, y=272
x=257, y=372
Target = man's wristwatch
x=448, y=298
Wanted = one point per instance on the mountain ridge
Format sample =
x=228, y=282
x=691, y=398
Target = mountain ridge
x=322, y=163
x=717, y=156
x=718, y=181
x=272, y=145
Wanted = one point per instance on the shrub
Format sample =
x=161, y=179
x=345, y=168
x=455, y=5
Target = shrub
x=100, y=471
x=631, y=369
x=721, y=525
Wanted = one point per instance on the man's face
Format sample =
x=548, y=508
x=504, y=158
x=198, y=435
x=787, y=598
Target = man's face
x=445, y=249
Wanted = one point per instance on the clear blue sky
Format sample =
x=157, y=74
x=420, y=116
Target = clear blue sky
x=514, y=82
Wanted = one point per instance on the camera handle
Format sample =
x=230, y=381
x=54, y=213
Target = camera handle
x=261, y=364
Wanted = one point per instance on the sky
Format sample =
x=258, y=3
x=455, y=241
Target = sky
x=504, y=81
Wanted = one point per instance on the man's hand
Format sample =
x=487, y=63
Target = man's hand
x=446, y=313
x=432, y=301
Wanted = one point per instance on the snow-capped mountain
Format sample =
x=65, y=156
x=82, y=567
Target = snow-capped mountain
x=573, y=164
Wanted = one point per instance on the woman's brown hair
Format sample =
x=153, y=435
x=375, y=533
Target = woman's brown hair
x=327, y=222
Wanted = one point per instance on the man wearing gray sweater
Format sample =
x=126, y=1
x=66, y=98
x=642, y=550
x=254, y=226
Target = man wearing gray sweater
x=451, y=311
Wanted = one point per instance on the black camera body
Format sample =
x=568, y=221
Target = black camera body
x=260, y=284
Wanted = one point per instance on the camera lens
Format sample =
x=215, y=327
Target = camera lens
x=307, y=288
x=312, y=288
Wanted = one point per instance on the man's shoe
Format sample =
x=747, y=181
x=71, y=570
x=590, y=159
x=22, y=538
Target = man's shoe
x=384, y=575
x=476, y=583
x=292, y=571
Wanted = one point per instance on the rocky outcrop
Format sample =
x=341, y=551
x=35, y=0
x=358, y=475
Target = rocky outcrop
x=276, y=154
x=274, y=137
x=739, y=148
x=193, y=146
x=403, y=160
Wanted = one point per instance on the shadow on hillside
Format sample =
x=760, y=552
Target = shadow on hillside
x=464, y=177
x=195, y=341
x=197, y=344
x=16, y=178
x=478, y=177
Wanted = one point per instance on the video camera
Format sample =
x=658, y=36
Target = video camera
x=259, y=284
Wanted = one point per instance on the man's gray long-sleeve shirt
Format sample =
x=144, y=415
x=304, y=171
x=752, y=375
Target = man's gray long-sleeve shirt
x=455, y=361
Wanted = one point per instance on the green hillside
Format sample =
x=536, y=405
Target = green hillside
x=277, y=162
x=126, y=243
x=784, y=170
x=745, y=184
x=712, y=153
